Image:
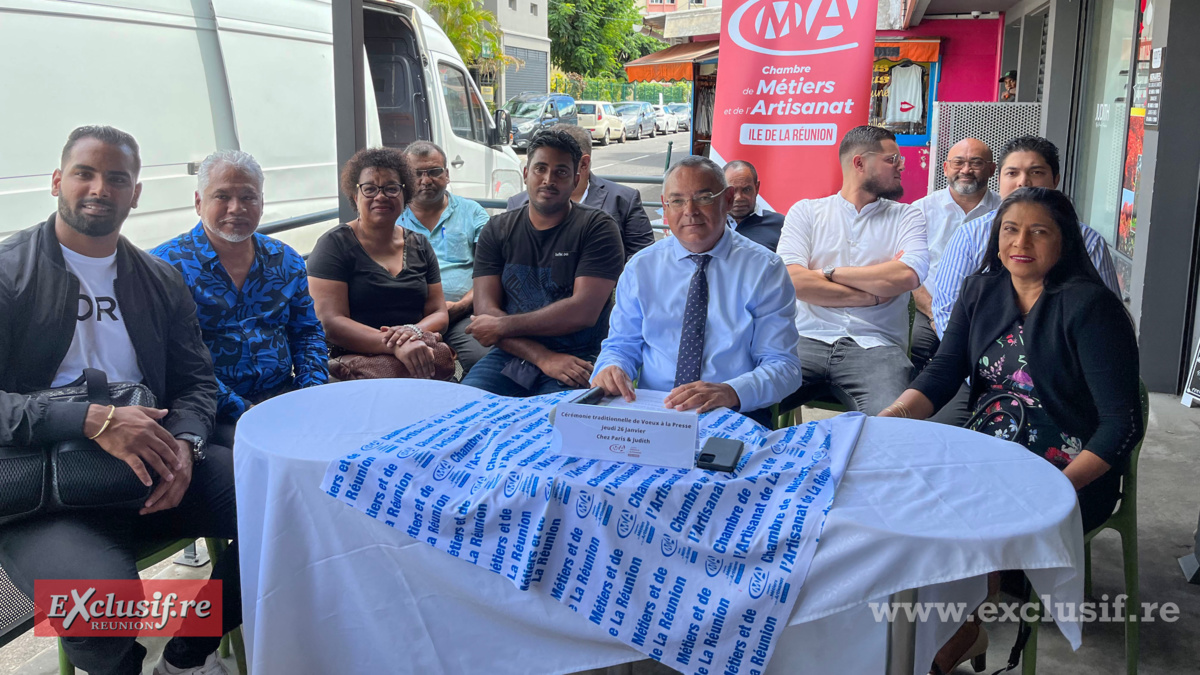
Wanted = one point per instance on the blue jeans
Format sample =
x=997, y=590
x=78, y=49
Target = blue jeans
x=873, y=378
x=486, y=375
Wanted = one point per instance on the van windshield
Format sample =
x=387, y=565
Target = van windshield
x=523, y=108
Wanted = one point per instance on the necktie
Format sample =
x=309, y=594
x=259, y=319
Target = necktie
x=695, y=315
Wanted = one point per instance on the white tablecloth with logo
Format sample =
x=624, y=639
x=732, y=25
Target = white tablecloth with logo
x=326, y=589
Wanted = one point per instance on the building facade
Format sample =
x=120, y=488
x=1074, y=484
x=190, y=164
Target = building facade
x=525, y=35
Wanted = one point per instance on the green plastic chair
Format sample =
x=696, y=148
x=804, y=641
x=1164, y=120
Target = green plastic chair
x=1124, y=521
x=216, y=547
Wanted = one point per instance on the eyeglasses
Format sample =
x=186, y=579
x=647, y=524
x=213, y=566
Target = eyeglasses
x=895, y=159
x=370, y=190
x=959, y=162
x=705, y=199
x=435, y=172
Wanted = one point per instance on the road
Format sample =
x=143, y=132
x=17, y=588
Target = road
x=646, y=157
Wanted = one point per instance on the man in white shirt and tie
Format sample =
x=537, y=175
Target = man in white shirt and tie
x=853, y=258
x=968, y=168
x=705, y=314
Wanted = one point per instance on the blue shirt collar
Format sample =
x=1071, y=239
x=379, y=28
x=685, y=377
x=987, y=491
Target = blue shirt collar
x=409, y=220
x=207, y=255
x=720, y=250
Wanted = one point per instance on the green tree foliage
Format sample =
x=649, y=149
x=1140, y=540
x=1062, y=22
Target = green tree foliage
x=595, y=38
x=469, y=27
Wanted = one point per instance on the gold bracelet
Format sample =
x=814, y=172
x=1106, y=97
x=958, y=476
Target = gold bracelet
x=112, y=409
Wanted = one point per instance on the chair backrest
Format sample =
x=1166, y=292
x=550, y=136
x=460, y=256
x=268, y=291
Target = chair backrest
x=16, y=610
x=1129, y=478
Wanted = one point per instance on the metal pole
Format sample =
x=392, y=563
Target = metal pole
x=902, y=636
x=668, y=164
x=349, y=95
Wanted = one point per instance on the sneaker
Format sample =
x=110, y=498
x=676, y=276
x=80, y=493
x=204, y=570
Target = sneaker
x=211, y=666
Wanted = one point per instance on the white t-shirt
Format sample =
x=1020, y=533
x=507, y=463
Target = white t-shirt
x=100, y=340
x=906, y=94
x=829, y=231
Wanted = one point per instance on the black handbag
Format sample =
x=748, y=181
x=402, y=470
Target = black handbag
x=1014, y=411
x=74, y=474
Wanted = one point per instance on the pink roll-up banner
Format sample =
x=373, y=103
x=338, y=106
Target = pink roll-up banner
x=793, y=77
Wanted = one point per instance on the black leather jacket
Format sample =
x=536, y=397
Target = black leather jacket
x=37, y=323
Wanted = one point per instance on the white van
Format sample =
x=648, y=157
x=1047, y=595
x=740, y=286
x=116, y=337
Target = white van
x=189, y=77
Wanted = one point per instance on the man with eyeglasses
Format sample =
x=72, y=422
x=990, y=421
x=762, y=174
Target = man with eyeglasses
x=452, y=224
x=747, y=218
x=544, y=277
x=623, y=203
x=732, y=342
x=1028, y=161
x=251, y=293
x=968, y=168
x=854, y=257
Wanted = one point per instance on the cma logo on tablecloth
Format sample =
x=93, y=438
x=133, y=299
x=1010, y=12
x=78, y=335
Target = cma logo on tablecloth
x=792, y=27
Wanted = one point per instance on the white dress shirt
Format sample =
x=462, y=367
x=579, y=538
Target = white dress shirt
x=943, y=216
x=750, y=341
x=829, y=231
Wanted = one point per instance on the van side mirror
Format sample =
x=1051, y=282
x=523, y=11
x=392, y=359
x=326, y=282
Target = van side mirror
x=503, y=129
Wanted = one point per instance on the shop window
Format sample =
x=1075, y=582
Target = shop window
x=900, y=96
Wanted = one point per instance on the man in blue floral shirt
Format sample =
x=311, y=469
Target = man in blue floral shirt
x=251, y=293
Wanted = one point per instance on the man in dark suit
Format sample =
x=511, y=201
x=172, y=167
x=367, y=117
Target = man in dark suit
x=759, y=225
x=624, y=204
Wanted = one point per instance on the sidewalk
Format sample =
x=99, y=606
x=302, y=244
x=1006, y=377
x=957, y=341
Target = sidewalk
x=1169, y=503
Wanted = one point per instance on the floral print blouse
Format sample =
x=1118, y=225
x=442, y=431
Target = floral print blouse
x=1002, y=368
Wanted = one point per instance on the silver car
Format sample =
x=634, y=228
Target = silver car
x=639, y=119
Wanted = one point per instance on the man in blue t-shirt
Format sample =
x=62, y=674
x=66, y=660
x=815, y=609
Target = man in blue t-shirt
x=544, y=279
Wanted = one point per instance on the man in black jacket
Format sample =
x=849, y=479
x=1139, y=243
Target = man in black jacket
x=759, y=225
x=74, y=294
x=624, y=204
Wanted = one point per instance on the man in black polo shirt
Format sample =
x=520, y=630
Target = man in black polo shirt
x=756, y=224
x=544, y=278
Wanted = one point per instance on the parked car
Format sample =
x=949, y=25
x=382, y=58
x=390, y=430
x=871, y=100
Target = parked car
x=533, y=112
x=683, y=111
x=602, y=120
x=417, y=87
x=639, y=119
x=664, y=120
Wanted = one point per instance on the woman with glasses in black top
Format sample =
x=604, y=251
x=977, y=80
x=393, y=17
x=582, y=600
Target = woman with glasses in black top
x=376, y=285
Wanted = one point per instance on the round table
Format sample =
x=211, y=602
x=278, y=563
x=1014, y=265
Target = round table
x=327, y=589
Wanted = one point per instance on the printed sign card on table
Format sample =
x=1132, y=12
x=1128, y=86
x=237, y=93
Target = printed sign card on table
x=696, y=569
x=643, y=430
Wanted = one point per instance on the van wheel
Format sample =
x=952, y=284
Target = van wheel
x=605, y=141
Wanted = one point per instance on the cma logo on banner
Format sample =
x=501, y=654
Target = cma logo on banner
x=792, y=27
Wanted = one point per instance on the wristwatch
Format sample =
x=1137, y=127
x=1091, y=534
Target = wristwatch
x=828, y=272
x=197, y=446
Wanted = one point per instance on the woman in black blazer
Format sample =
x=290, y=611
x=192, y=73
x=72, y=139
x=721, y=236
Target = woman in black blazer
x=1036, y=325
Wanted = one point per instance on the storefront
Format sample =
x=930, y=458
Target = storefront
x=939, y=60
x=1131, y=153
x=695, y=62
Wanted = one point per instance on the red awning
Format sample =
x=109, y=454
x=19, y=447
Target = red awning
x=672, y=63
x=927, y=50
